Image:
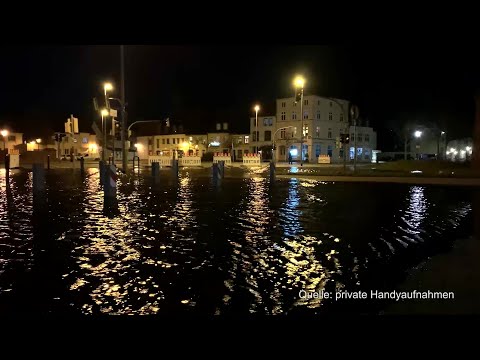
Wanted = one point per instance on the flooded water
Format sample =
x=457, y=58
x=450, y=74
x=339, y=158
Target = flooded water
x=246, y=246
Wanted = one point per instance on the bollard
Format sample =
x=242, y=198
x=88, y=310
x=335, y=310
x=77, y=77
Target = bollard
x=272, y=171
x=221, y=168
x=216, y=174
x=82, y=166
x=101, y=168
x=7, y=168
x=38, y=178
x=110, y=185
x=48, y=162
x=71, y=158
x=175, y=168
x=155, y=169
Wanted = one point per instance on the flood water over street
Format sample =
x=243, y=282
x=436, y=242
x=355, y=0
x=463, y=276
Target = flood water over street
x=246, y=246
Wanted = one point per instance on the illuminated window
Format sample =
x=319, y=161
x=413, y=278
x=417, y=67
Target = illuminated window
x=284, y=117
x=190, y=138
x=317, y=131
x=359, y=151
x=317, y=150
x=330, y=116
x=247, y=139
x=294, y=115
x=330, y=150
x=85, y=140
x=305, y=130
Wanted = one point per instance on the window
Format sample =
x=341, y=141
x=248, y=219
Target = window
x=282, y=150
x=294, y=115
x=305, y=114
x=317, y=150
x=218, y=126
x=329, y=133
x=318, y=115
x=366, y=154
x=267, y=135
x=330, y=104
x=359, y=137
x=330, y=150
x=359, y=152
x=12, y=138
x=282, y=134
x=367, y=138
x=351, y=153
x=270, y=121
x=330, y=116
x=178, y=140
x=254, y=121
x=305, y=102
x=352, y=137
x=168, y=141
x=163, y=142
x=190, y=138
x=183, y=140
x=267, y=122
x=158, y=143
x=149, y=142
x=283, y=104
x=317, y=131
x=239, y=153
x=341, y=117
x=256, y=136
x=84, y=140
x=173, y=141
x=245, y=151
x=284, y=117
x=318, y=102
x=305, y=130
x=247, y=139
x=225, y=126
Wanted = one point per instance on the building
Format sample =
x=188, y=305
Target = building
x=240, y=146
x=169, y=144
x=324, y=119
x=79, y=144
x=10, y=141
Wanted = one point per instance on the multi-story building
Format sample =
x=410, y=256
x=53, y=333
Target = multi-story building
x=170, y=144
x=79, y=144
x=240, y=145
x=324, y=119
x=11, y=140
x=262, y=134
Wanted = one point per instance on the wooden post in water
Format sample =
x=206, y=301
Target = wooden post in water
x=82, y=166
x=101, y=169
x=38, y=178
x=48, y=162
x=272, y=171
x=110, y=185
x=156, y=171
x=7, y=168
x=175, y=168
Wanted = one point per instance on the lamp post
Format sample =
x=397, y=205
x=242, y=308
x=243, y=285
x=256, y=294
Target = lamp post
x=108, y=87
x=256, y=108
x=299, y=83
x=123, y=138
x=104, y=113
x=4, y=134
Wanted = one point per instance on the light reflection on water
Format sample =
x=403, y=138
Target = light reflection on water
x=241, y=246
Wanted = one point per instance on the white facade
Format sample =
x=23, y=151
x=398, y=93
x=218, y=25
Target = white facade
x=171, y=144
x=80, y=144
x=324, y=119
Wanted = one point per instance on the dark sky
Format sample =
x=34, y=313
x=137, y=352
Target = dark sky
x=41, y=86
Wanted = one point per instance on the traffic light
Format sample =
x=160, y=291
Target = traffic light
x=298, y=95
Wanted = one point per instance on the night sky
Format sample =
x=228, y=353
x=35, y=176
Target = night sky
x=198, y=85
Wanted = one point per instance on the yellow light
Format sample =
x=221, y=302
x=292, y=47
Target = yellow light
x=32, y=142
x=256, y=108
x=299, y=81
x=138, y=146
x=38, y=141
x=93, y=147
x=107, y=87
x=185, y=144
x=104, y=112
x=4, y=133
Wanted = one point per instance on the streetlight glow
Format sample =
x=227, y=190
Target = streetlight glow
x=4, y=133
x=38, y=141
x=299, y=81
x=107, y=87
x=418, y=133
x=104, y=112
x=257, y=108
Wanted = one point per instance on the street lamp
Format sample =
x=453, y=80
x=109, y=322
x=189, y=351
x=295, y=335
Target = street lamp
x=299, y=83
x=256, y=108
x=417, y=134
x=4, y=134
x=38, y=141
